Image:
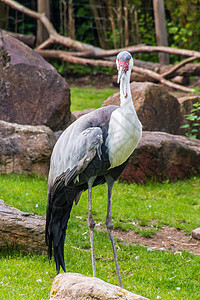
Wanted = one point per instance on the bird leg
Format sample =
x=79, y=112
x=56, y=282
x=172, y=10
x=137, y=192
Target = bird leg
x=91, y=222
x=109, y=225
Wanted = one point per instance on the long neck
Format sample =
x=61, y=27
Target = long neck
x=125, y=92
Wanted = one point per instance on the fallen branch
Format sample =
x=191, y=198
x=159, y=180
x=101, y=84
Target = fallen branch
x=82, y=61
x=54, y=37
x=65, y=56
x=94, y=52
x=162, y=80
x=144, y=48
x=170, y=73
x=182, y=70
x=23, y=229
x=28, y=39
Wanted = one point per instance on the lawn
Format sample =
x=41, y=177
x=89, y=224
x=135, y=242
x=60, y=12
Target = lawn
x=168, y=275
x=89, y=97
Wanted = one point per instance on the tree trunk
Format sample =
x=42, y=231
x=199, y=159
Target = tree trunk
x=126, y=23
x=27, y=230
x=4, y=15
x=43, y=7
x=112, y=22
x=160, y=27
x=71, y=20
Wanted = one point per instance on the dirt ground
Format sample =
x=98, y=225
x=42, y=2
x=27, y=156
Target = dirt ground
x=168, y=239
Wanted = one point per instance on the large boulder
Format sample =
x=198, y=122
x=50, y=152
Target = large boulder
x=156, y=109
x=163, y=156
x=75, y=286
x=31, y=90
x=25, y=148
x=79, y=113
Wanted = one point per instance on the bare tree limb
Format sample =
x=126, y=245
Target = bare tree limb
x=97, y=52
x=54, y=36
x=88, y=62
x=159, y=78
x=25, y=229
x=65, y=56
x=46, y=43
x=25, y=38
x=170, y=73
x=144, y=48
x=94, y=52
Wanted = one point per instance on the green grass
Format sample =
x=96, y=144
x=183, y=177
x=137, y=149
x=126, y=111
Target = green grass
x=89, y=97
x=153, y=274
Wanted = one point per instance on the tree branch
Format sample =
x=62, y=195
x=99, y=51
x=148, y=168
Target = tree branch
x=159, y=78
x=54, y=36
x=169, y=74
x=95, y=52
x=144, y=48
x=74, y=59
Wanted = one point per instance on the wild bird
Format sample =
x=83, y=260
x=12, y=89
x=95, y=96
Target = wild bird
x=91, y=151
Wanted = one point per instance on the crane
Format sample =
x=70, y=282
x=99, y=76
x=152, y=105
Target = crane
x=91, y=151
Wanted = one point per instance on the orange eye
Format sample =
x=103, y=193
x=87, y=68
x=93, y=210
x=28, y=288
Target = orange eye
x=118, y=59
x=128, y=60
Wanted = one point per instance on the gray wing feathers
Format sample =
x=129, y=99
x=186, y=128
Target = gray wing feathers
x=72, y=156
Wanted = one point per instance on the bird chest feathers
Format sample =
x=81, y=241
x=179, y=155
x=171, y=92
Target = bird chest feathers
x=124, y=133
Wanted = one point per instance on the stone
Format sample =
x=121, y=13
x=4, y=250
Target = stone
x=31, y=90
x=79, y=113
x=75, y=286
x=187, y=103
x=156, y=109
x=162, y=156
x=196, y=233
x=25, y=148
x=26, y=230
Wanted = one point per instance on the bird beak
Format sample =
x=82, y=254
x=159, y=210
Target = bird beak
x=123, y=68
x=120, y=73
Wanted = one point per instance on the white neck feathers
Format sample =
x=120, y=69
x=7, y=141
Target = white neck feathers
x=125, y=129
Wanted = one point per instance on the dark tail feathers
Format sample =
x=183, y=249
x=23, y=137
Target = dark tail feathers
x=57, y=216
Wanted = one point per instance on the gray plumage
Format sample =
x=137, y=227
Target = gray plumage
x=93, y=150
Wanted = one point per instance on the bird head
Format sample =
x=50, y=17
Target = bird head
x=124, y=62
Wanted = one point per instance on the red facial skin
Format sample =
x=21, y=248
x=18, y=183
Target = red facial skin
x=124, y=65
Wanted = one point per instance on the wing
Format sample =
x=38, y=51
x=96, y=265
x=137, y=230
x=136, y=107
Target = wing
x=71, y=158
x=79, y=144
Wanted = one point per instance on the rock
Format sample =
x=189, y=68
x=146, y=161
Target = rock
x=31, y=90
x=25, y=148
x=75, y=286
x=78, y=113
x=163, y=156
x=187, y=103
x=156, y=109
x=196, y=233
x=27, y=230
